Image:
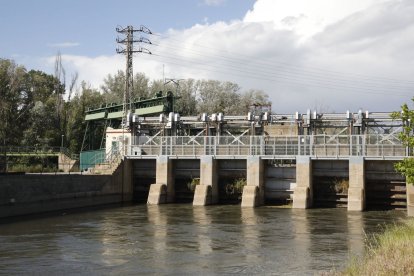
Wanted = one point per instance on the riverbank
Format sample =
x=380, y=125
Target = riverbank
x=389, y=253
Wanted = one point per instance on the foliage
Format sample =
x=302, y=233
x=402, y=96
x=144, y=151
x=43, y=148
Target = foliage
x=341, y=186
x=193, y=183
x=236, y=187
x=38, y=168
x=114, y=86
x=406, y=166
x=34, y=111
x=389, y=253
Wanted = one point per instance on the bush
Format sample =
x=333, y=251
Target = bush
x=389, y=253
x=193, y=183
x=341, y=186
x=30, y=168
x=236, y=188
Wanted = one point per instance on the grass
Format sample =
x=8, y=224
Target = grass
x=389, y=253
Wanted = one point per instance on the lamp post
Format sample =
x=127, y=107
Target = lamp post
x=61, y=144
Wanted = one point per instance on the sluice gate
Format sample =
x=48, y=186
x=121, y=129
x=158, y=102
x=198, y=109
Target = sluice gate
x=280, y=182
x=385, y=188
x=330, y=183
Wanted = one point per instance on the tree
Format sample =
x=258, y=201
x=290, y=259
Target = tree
x=215, y=96
x=251, y=98
x=406, y=166
x=185, y=92
x=84, y=99
x=15, y=101
x=43, y=121
x=114, y=87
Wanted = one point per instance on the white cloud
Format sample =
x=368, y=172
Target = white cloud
x=333, y=53
x=63, y=44
x=214, y=2
x=303, y=16
x=94, y=69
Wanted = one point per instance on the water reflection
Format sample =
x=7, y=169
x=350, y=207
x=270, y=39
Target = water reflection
x=203, y=222
x=182, y=239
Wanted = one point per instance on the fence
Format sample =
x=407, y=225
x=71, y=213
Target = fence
x=89, y=159
x=313, y=145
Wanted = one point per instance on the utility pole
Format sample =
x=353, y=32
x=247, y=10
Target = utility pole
x=177, y=85
x=128, y=50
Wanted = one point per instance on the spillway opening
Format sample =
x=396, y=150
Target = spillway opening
x=143, y=176
x=184, y=193
x=187, y=172
x=330, y=183
x=231, y=190
x=279, y=182
x=385, y=189
x=231, y=180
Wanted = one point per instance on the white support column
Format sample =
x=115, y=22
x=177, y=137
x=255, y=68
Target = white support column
x=356, y=190
x=206, y=192
x=163, y=190
x=253, y=192
x=303, y=194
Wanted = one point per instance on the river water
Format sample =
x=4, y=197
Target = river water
x=182, y=239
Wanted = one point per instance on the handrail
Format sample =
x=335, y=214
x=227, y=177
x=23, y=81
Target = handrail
x=375, y=145
x=38, y=151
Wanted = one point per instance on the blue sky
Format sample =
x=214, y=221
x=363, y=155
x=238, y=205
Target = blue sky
x=326, y=55
x=36, y=28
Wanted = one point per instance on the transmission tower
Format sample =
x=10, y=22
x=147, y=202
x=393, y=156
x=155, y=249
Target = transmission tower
x=128, y=50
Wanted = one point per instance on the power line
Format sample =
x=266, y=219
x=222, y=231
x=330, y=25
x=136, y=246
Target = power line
x=247, y=58
x=264, y=70
x=288, y=80
x=272, y=73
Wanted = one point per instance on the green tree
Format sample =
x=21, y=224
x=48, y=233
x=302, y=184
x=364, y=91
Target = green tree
x=83, y=99
x=44, y=125
x=15, y=101
x=114, y=86
x=215, y=96
x=406, y=166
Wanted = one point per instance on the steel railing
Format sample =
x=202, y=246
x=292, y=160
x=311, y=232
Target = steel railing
x=378, y=145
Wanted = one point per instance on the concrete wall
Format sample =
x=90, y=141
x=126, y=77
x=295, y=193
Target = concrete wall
x=66, y=164
x=36, y=193
x=276, y=130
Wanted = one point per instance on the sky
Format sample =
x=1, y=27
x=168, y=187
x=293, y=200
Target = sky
x=324, y=55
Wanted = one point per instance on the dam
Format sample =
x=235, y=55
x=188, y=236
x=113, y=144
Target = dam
x=306, y=160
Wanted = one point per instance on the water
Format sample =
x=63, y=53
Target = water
x=182, y=239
